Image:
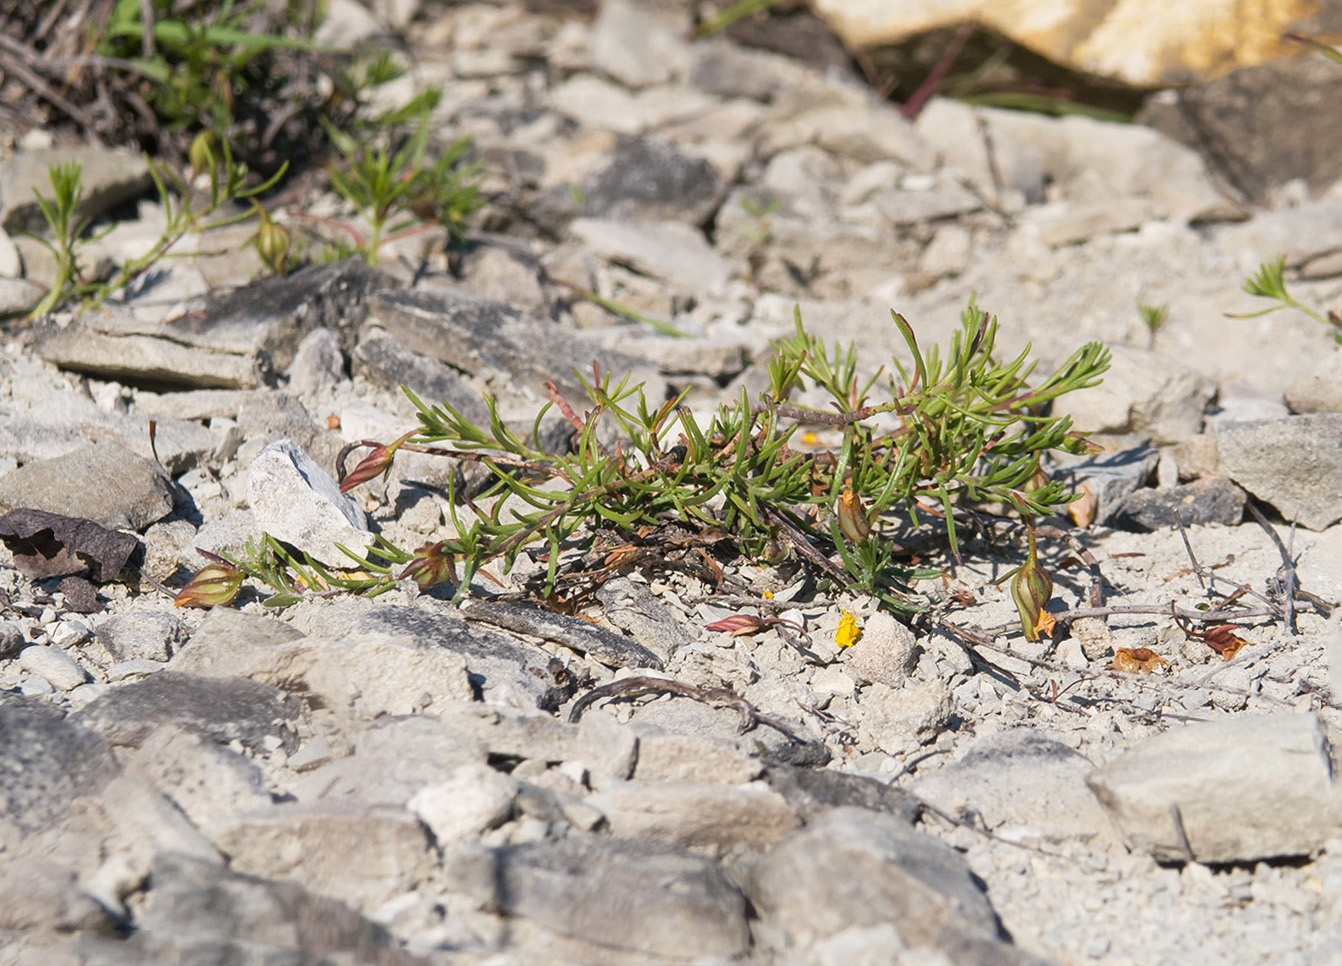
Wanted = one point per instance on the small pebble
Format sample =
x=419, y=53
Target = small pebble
x=86, y=693
x=35, y=687
x=48, y=616
x=69, y=633
x=53, y=664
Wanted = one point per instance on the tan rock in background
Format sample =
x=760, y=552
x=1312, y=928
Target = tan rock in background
x=1138, y=42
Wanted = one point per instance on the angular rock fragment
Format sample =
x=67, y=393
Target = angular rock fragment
x=497, y=665
x=150, y=635
x=1142, y=393
x=360, y=856
x=374, y=674
x=1293, y=463
x=394, y=759
x=108, y=177
x=495, y=342
x=268, y=318
x=1202, y=502
x=1018, y=778
x=671, y=250
x=579, y=635
x=582, y=891
x=383, y=359
x=222, y=709
x=107, y=483
x=696, y=814
x=1237, y=790
x=201, y=911
x=851, y=868
x=649, y=179
x=206, y=780
x=812, y=792
x=295, y=500
x=1112, y=477
x=47, y=761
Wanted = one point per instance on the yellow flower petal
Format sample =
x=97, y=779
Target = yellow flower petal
x=848, y=632
x=768, y=595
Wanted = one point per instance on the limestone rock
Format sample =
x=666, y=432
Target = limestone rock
x=584, y=890
x=1122, y=42
x=1293, y=463
x=295, y=500
x=1142, y=393
x=1019, y=779
x=107, y=483
x=1251, y=787
x=854, y=868
x=360, y=856
x=223, y=709
x=107, y=177
x=696, y=814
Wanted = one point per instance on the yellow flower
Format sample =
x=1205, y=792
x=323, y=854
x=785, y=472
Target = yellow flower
x=848, y=632
x=768, y=595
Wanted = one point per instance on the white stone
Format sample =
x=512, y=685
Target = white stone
x=475, y=799
x=672, y=251
x=1244, y=788
x=69, y=633
x=295, y=500
x=53, y=665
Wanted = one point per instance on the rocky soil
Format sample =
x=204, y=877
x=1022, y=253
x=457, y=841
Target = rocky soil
x=402, y=781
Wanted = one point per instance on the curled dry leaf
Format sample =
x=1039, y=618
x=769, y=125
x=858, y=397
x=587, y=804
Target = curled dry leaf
x=1134, y=659
x=51, y=545
x=1224, y=641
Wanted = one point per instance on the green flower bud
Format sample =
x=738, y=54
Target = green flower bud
x=1031, y=589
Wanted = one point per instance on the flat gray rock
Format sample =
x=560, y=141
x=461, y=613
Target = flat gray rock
x=653, y=180
x=696, y=814
x=1245, y=788
x=497, y=665
x=814, y=791
x=150, y=635
x=1293, y=463
x=203, y=912
x=108, y=178
x=143, y=354
x=372, y=673
x=1022, y=779
x=673, y=251
x=1202, y=502
x=576, y=634
x=222, y=709
x=496, y=342
x=617, y=896
x=106, y=483
x=46, y=761
x=381, y=358
x=268, y=318
x=852, y=868
x=295, y=500
x=394, y=758
x=362, y=856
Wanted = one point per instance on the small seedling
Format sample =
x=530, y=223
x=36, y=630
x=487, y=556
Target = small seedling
x=396, y=191
x=228, y=183
x=1270, y=283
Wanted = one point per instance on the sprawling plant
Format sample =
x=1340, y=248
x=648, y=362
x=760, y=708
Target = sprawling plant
x=968, y=428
